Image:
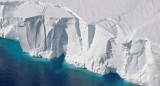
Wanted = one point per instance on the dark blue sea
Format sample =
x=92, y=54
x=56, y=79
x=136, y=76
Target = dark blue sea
x=19, y=69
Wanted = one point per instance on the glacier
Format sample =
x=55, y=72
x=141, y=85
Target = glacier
x=122, y=45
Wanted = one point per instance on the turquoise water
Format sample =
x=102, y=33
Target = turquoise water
x=19, y=69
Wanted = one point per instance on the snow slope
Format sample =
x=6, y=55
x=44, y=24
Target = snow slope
x=125, y=41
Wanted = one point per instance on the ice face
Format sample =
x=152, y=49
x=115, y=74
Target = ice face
x=106, y=46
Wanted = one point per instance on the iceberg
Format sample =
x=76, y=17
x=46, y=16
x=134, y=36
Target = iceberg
x=109, y=45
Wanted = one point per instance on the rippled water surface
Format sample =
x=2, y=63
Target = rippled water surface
x=19, y=69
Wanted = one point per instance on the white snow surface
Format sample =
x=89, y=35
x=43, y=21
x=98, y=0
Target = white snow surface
x=103, y=36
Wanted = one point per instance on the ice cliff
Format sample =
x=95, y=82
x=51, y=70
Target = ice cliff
x=109, y=45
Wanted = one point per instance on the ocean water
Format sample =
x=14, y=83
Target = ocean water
x=19, y=69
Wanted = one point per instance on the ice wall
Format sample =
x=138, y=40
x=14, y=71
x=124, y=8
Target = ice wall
x=105, y=46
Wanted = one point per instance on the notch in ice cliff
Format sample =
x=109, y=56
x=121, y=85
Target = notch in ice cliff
x=105, y=46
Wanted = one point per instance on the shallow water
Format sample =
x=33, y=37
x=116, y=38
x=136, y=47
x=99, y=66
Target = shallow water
x=19, y=69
